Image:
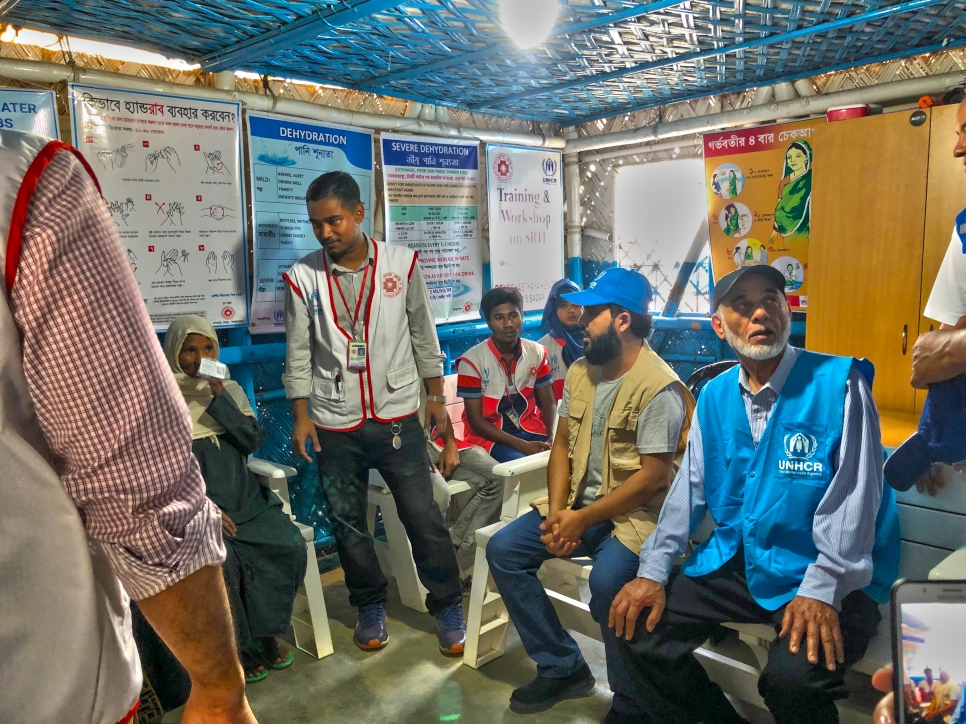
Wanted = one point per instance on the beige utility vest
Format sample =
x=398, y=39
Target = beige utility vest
x=65, y=635
x=649, y=375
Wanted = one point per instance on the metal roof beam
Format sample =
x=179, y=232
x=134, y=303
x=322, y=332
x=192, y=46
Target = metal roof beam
x=766, y=40
x=381, y=82
x=307, y=28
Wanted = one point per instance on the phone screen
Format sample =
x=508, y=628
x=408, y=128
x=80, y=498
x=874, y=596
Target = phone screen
x=933, y=662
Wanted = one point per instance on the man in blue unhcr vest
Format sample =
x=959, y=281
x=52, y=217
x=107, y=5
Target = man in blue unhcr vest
x=785, y=454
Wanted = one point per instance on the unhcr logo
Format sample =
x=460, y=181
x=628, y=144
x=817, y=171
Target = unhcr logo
x=801, y=446
x=800, y=449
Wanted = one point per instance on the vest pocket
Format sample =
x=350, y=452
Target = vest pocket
x=576, y=411
x=803, y=455
x=622, y=439
x=402, y=377
x=327, y=392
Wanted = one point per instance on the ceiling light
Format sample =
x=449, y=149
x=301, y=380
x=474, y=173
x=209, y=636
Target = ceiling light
x=528, y=22
x=9, y=33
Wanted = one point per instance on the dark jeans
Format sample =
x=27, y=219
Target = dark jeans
x=505, y=453
x=344, y=465
x=515, y=554
x=676, y=688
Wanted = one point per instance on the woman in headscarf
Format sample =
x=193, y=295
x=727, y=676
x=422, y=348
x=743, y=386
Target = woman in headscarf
x=563, y=337
x=732, y=220
x=732, y=184
x=266, y=552
x=793, y=212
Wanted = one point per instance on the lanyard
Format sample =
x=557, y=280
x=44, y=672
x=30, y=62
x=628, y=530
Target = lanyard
x=353, y=320
x=511, y=385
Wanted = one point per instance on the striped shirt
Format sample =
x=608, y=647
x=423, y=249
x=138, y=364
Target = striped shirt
x=843, y=528
x=111, y=413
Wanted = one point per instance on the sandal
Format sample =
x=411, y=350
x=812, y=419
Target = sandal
x=251, y=665
x=272, y=652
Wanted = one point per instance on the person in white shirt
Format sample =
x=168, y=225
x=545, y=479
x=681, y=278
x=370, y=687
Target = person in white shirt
x=940, y=355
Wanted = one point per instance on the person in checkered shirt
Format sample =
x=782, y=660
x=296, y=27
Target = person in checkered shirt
x=100, y=496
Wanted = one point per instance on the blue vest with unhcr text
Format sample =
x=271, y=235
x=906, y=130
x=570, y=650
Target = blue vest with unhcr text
x=765, y=498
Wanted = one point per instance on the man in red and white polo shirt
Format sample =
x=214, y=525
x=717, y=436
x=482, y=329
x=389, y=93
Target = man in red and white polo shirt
x=506, y=384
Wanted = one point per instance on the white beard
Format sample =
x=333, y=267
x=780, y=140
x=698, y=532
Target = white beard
x=757, y=351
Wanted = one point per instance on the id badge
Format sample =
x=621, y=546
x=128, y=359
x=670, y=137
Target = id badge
x=357, y=356
x=514, y=418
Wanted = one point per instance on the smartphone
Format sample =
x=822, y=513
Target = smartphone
x=929, y=651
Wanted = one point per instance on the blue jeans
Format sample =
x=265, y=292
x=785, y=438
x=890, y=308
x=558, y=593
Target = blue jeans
x=504, y=454
x=515, y=554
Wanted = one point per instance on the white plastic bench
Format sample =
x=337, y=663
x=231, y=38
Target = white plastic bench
x=310, y=622
x=487, y=618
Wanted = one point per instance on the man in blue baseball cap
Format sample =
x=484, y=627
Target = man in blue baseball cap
x=623, y=417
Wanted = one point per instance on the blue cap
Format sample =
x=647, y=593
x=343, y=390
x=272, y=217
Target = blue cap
x=622, y=287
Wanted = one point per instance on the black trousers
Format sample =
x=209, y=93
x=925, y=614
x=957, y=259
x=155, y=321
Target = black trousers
x=676, y=688
x=344, y=465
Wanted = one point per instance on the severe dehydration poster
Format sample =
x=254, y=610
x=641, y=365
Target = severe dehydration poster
x=285, y=156
x=169, y=169
x=526, y=221
x=760, y=201
x=432, y=205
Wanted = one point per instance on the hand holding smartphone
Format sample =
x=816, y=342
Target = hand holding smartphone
x=929, y=652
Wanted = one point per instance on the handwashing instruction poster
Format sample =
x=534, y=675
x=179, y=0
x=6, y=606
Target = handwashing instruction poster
x=432, y=205
x=525, y=193
x=170, y=171
x=285, y=156
x=759, y=185
x=31, y=111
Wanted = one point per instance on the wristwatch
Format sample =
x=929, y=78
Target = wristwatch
x=435, y=398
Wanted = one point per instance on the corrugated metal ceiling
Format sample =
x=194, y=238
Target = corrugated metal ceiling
x=604, y=57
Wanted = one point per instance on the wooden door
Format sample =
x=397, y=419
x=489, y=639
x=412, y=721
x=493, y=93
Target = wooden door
x=945, y=198
x=866, y=246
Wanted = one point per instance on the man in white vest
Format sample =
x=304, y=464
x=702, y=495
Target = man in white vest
x=100, y=496
x=360, y=338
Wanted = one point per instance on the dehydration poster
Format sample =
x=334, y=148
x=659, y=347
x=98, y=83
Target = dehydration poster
x=285, y=156
x=432, y=189
x=759, y=185
x=525, y=193
x=170, y=171
x=31, y=111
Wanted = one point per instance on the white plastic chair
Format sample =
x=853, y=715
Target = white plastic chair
x=310, y=622
x=396, y=553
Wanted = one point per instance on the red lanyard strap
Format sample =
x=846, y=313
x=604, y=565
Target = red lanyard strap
x=354, y=320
